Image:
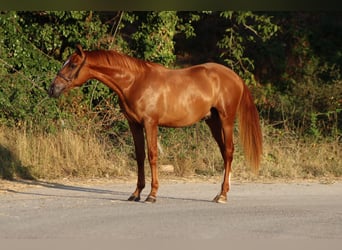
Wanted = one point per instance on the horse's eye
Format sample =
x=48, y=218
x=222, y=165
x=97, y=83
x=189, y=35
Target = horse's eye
x=73, y=65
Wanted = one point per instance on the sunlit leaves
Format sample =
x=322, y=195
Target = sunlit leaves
x=242, y=30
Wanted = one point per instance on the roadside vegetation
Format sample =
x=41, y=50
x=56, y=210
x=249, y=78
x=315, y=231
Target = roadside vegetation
x=191, y=152
x=291, y=61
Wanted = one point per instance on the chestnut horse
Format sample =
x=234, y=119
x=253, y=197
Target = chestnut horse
x=151, y=95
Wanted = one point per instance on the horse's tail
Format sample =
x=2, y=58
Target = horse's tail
x=249, y=130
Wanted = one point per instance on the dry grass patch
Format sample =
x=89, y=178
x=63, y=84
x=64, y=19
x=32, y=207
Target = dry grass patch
x=51, y=156
x=191, y=151
x=286, y=156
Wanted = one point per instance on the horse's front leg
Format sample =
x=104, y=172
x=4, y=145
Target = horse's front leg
x=139, y=144
x=151, y=131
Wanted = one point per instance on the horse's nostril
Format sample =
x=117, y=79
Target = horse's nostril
x=50, y=91
x=55, y=90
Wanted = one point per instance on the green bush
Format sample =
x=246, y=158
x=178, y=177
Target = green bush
x=291, y=60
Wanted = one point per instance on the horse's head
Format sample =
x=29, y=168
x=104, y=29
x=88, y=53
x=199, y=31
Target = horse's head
x=71, y=74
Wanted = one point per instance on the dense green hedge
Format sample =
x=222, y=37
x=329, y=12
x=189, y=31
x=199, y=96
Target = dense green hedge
x=291, y=60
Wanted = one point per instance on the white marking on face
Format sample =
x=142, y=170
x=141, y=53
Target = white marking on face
x=66, y=62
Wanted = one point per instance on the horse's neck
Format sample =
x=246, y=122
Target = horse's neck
x=116, y=70
x=115, y=78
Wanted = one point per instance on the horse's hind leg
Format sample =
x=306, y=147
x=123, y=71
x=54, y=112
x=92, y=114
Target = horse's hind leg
x=215, y=126
x=227, y=128
x=222, y=131
x=139, y=143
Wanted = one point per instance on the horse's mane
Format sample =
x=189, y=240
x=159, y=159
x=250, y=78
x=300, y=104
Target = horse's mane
x=113, y=58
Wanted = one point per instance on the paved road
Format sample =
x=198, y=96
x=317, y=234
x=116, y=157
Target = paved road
x=183, y=211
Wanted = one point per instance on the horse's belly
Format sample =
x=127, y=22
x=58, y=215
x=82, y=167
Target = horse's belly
x=185, y=117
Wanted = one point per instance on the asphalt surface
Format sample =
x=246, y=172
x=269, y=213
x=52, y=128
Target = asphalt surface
x=182, y=211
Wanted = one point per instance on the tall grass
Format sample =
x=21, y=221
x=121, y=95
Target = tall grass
x=287, y=156
x=192, y=151
x=63, y=154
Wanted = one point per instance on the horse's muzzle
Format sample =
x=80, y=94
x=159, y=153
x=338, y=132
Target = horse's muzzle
x=55, y=90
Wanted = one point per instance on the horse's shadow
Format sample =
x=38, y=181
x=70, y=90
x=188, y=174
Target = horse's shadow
x=95, y=193
x=101, y=194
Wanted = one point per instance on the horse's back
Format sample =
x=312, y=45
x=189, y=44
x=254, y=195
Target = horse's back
x=229, y=87
x=181, y=97
x=225, y=78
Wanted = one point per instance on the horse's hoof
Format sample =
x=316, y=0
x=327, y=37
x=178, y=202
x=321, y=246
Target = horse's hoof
x=220, y=199
x=134, y=198
x=150, y=199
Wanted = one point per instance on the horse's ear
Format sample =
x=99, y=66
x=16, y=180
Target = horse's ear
x=79, y=50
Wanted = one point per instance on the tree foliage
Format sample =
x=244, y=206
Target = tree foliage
x=291, y=60
x=244, y=30
x=300, y=72
x=154, y=39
